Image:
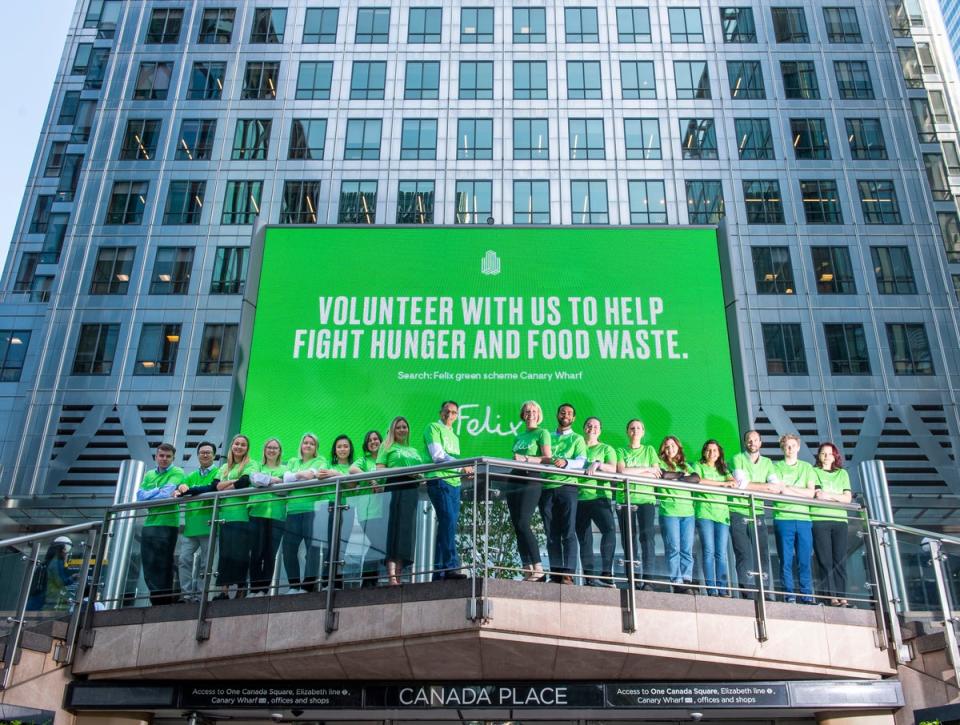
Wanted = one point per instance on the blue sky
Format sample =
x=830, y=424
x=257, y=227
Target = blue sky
x=31, y=51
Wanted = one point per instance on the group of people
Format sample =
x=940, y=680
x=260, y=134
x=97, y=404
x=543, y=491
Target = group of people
x=562, y=485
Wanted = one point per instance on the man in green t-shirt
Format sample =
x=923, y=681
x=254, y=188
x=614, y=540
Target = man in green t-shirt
x=158, y=538
x=558, y=502
x=192, y=559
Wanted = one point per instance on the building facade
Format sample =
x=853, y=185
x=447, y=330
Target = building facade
x=821, y=138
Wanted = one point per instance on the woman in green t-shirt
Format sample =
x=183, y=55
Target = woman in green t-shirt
x=595, y=506
x=234, y=539
x=371, y=510
x=524, y=489
x=396, y=452
x=267, y=513
x=830, y=525
x=341, y=459
x=713, y=518
x=676, y=517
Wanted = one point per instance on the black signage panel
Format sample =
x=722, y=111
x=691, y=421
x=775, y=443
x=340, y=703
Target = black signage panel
x=670, y=695
x=506, y=695
x=260, y=694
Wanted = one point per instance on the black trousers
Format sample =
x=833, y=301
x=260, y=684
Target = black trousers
x=558, y=507
x=744, y=552
x=157, y=544
x=597, y=511
x=523, y=498
x=265, y=536
x=830, y=549
x=234, y=548
x=296, y=529
x=644, y=545
x=402, y=523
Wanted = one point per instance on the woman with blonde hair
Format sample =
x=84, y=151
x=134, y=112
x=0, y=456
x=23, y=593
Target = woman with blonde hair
x=523, y=491
x=396, y=452
x=267, y=512
x=234, y=538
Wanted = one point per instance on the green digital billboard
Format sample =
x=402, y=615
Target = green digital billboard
x=354, y=326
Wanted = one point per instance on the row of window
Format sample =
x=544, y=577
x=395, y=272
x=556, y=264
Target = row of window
x=476, y=80
x=581, y=24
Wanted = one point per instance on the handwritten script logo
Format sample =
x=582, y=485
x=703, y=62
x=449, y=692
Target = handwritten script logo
x=478, y=420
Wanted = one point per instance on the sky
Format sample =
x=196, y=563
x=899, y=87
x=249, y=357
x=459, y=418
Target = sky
x=31, y=49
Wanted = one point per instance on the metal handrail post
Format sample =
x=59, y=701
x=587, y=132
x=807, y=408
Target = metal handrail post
x=893, y=620
x=938, y=559
x=203, y=625
x=12, y=648
x=760, y=598
x=873, y=563
x=81, y=602
x=86, y=634
x=336, y=509
x=629, y=613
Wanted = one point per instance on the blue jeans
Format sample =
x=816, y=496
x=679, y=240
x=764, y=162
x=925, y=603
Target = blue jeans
x=677, y=532
x=795, y=540
x=446, y=503
x=714, y=537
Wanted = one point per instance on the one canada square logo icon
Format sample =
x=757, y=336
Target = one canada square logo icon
x=490, y=264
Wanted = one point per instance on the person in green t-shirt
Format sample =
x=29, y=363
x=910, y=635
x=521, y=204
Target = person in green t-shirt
x=371, y=510
x=523, y=491
x=791, y=521
x=830, y=525
x=558, y=502
x=267, y=513
x=192, y=558
x=234, y=539
x=713, y=518
x=158, y=538
x=341, y=458
x=637, y=531
x=396, y=452
x=595, y=506
x=677, y=524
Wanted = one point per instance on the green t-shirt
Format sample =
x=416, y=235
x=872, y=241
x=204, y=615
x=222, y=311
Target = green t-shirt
x=301, y=500
x=570, y=446
x=675, y=501
x=234, y=509
x=710, y=506
x=799, y=475
x=196, y=516
x=269, y=505
x=398, y=456
x=436, y=433
x=758, y=472
x=642, y=457
x=531, y=442
x=605, y=454
x=835, y=482
x=162, y=515
x=369, y=504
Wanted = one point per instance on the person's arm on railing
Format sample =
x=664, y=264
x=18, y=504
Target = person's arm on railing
x=168, y=491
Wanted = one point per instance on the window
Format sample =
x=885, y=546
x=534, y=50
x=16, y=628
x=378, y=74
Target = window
x=746, y=80
x=923, y=120
x=26, y=272
x=103, y=15
x=878, y=200
x=950, y=230
x=692, y=78
x=164, y=27
x=260, y=81
x=474, y=202
x=937, y=176
x=218, y=349
x=41, y=214
x=637, y=79
x=320, y=25
x=229, y=271
x=97, y=69
x=704, y=202
x=866, y=139
x=910, y=349
x=241, y=203
x=127, y=202
x=531, y=202
x=910, y=66
x=581, y=25
x=847, y=349
x=633, y=25
x=531, y=139
x=81, y=120
x=763, y=201
x=81, y=59
x=307, y=138
x=810, y=140
x=894, y=271
x=642, y=138
x=13, y=351
x=112, y=270
x=754, y=139
x=833, y=271
x=476, y=25
x=842, y=25
x=648, y=202
x=157, y=351
x=153, y=81
x=790, y=25
x=583, y=80
x=358, y=202
x=529, y=80
x=588, y=202
x=367, y=80
x=424, y=25
x=476, y=80
x=941, y=114
x=172, y=268
x=821, y=201
x=418, y=139
x=216, y=26
x=698, y=138
x=586, y=138
x=772, y=270
x=475, y=138
x=415, y=202
x=799, y=79
x=184, y=202
x=422, y=80
x=68, y=108
x=951, y=157
x=96, y=346
x=206, y=81
x=686, y=25
x=53, y=239
x=738, y=25
x=69, y=176
x=196, y=139
x=140, y=139
x=853, y=79
x=373, y=25
x=927, y=61
x=363, y=138
x=529, y=25
x=299, y=203
x=268, y=25
x=251, y=140
x=313, y=81
x=783, y=347
x=899, y=18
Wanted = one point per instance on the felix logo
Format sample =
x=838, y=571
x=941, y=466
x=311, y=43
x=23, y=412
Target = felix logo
x=490, y=264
